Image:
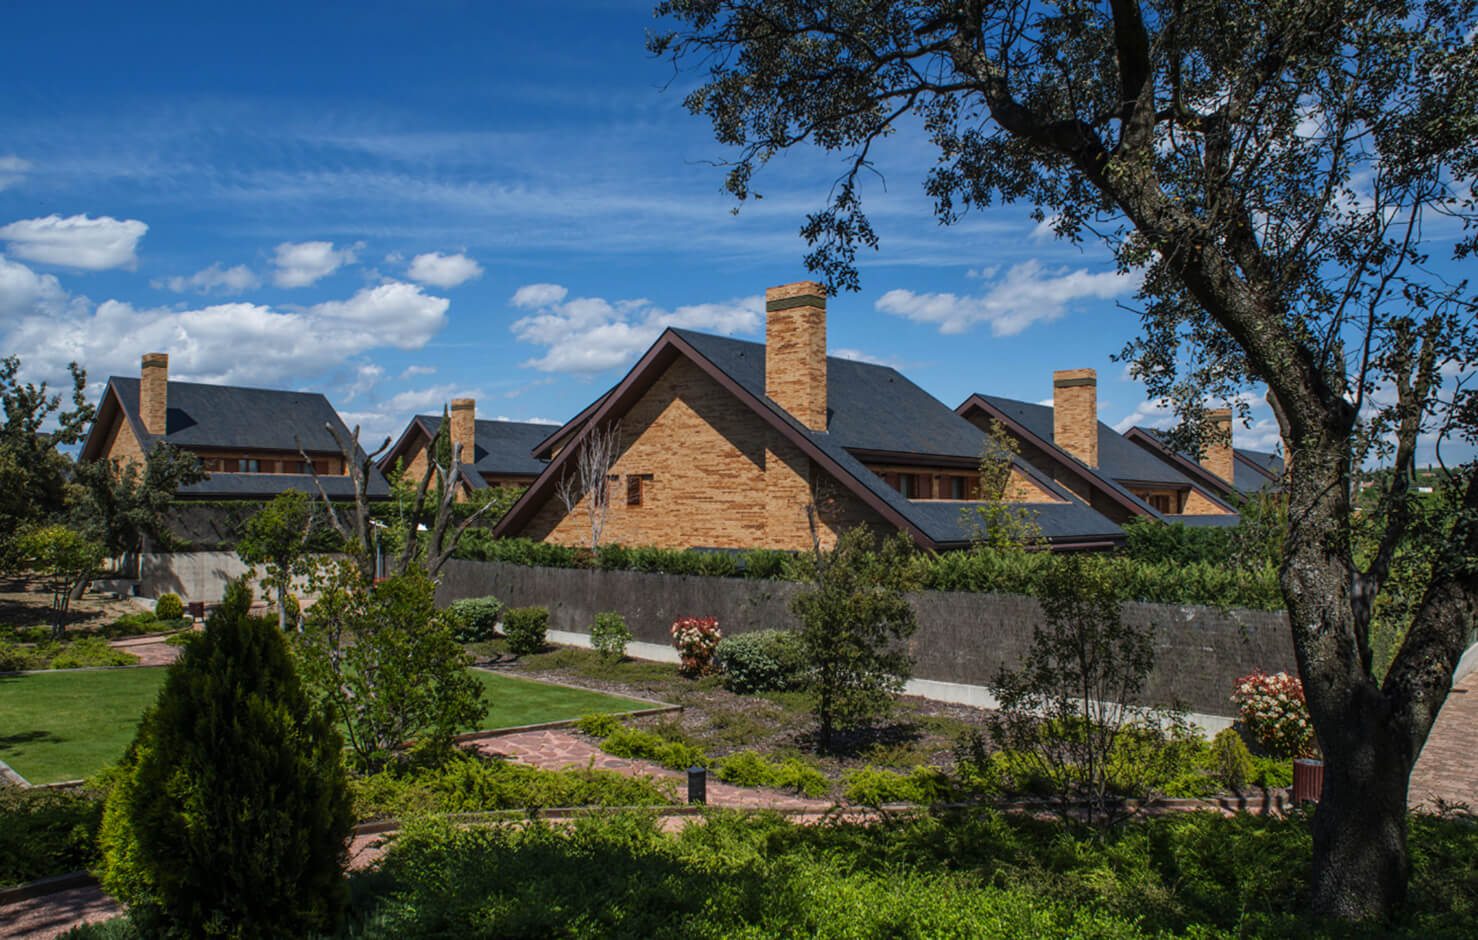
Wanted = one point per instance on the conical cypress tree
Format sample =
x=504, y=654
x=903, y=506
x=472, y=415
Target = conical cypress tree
x=237, y=806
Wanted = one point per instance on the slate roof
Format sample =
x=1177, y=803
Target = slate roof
x=1121, y=459
x=874, y=407
x=231, y=417
x=1253, y=470
x=502, y=446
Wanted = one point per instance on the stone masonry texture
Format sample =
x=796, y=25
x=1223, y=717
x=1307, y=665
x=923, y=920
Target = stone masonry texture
x=154, y=392
x=962, y=637
x=1219, y=454
x=464, y=427
x=1075, y=413
x=795, y=351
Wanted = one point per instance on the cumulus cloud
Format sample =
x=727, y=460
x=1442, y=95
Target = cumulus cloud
x=413, y=371
x=76, y=241
x=23, y=291
x=441, y=270
x=301, y=264
x=233, y=343
x=857, y=355
x=1027, y=294
x=591, y=334
x=12, y=170
x=534, y=296
x=215, y=278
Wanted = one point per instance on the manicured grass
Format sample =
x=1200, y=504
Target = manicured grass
x=65, y=725
x=70, y=724
x=517, y=702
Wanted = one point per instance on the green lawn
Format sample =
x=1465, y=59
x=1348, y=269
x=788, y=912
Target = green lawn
x=64, y=725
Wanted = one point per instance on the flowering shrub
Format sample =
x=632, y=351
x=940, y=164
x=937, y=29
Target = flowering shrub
x=696, y=638
x=1273, y=709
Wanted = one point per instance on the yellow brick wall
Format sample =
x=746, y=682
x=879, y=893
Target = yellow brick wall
x=795, y=351
x=708, y=457
x=121, y=442
x=1198, y=505
x=1075, y=413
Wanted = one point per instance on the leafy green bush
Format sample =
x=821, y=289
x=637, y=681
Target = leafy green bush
x=748, y=769
x=141, y=623
x=91, y=651
x=598, y=725
x=872, y=786
x=36, y=634
x=645, y=745
x=1149, y=540
x=46, y=832
x=475, y=619
x=16, y=658
x=525, y=628
x=1231, y=762
x=609, y=635
x=469, y=784
x=233, y=813
x=761, y=661
x=765, y=564
x=169, y=607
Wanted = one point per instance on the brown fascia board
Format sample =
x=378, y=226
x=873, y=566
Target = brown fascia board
x=641, y=377
x=541, y=450
x=1071, y=463
x=1182, y=463
x=110, y=394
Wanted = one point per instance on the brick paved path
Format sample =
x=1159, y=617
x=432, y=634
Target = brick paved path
x=557, y=749
x=1448, y=766
x=151, y=651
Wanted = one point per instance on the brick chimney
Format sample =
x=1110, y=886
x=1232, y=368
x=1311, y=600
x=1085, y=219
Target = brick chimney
x=1075, y=413
x=795, y=351
x=1218, y=458
x=154, y=392
x=464, y=427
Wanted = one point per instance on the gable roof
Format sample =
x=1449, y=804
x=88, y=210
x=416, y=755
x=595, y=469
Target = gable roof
x=1252, y=470
x=230, y=417
x=500, y=446
x=869, y=408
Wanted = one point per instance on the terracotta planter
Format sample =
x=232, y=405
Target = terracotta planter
x=1308, y=779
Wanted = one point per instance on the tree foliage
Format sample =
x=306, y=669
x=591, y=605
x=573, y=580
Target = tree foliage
x=65, y=560
x=33, y=472
x=382, y=659
x=277, y=538
x=118, y=505
x=997, y=523
x=1275, y=173
x=854, y=626
x=233, y=813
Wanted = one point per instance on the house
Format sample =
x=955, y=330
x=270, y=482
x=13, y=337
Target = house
x=1230, y=471
x=726, y=444
x=1117, y=477
x=247, y=439
x=494, y=453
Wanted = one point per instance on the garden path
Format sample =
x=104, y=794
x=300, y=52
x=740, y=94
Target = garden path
x=1447, y=769
x=151, y=651
x=555, y=749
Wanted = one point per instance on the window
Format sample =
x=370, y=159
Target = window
x=956, y=487
x=905, y=485
x=248, y=465
x=633, y=490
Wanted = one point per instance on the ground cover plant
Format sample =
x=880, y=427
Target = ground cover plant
x=46, y=832
x=978, y=875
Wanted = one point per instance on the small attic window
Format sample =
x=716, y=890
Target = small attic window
x=634, y=483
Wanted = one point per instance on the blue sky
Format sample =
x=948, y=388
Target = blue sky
x=397, y=204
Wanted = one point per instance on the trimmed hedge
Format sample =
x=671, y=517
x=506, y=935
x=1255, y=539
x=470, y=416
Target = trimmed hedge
x=1167, y=581
x=475, y=619
x=525, y=628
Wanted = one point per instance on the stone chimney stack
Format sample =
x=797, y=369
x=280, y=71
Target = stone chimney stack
x=1075, y=413
x=464, y=427
x=795, y=351
x=1219, y=455
x=154, y=392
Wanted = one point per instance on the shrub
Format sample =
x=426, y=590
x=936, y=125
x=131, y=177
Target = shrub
x=169, y=607
x=748, y=769
x=762, y=661
x=36, y=634
x=871, y=786
x=609, y=635
x=525, y=628
x=475, y=619
x=46, y=832
x=232, y=817
x=1274, y=711
x=598, y=725
x=765, y=564
x=695, y=639
x=15, y=658
x=644, y=745
x=1231, y=762
x=91, y=651
x=139, y=624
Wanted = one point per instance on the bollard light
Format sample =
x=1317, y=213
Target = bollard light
x=697, y=785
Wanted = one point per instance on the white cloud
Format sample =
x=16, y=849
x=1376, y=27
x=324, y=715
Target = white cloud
x=549, y=421
x=591, y=334
x=214, y=278
x=233, y=343
x=23, y=291
x=1149, y=414
x=441, y=270
x=534, y=296
x=1027, y=294
x=76, y=241
x=413, y=371
x=12, y=170
x=301, y=264
x=857, y=355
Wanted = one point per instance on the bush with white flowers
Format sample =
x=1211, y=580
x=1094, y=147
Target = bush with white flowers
x=1274, y=711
